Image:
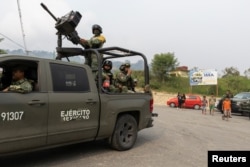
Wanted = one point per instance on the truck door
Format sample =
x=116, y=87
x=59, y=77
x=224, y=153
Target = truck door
x=23, y=120
x=74, y=104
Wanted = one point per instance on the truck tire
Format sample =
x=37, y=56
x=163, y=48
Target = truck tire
x=125, y=133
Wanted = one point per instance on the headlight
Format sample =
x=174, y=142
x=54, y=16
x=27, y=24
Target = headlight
x=238, y=103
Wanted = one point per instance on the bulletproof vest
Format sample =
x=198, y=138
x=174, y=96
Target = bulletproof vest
x=96, y=42
x=110, y=75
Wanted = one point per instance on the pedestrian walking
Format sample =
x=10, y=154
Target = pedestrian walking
x=212, y=101
x=204, y=104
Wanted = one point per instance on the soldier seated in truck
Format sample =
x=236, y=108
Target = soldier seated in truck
x=124, y=81
x=107, y=77
x=19, y=83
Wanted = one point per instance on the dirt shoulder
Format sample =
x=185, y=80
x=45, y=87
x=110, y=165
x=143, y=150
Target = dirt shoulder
x=161, y=98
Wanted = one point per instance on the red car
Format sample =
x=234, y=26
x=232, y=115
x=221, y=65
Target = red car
x=192, y=101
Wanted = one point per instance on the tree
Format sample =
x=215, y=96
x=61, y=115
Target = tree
x=235, y=84
x=230, y=71
x=2, y=51
x=247, y=73
x=163, y=63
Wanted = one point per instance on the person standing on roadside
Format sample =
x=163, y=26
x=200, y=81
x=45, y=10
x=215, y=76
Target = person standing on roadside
x=204, y=105
x=229, y=95
x=212, y=101
x=179, y=98
x=226, y=108
x=183, y=99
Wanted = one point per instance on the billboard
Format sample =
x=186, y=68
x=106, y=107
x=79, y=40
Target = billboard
x=203, y=77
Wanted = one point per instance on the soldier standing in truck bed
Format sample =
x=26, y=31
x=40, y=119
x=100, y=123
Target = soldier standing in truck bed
x=95, y=42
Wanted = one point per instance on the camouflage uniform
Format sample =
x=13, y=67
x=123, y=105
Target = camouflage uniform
x=107, y=77
x=107, y=74
x=123, y=81
x=95, y=42
x=21, y=86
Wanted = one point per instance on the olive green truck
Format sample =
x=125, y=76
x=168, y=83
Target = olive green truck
x=68, y=104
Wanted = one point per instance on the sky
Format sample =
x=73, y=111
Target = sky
x=207, y=34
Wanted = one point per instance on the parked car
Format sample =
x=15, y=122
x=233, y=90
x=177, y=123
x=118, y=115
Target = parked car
x=192, y=101
x=245, y=107
x=236, y=102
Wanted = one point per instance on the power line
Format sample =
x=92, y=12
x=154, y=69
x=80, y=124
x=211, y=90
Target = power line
x=12, y=40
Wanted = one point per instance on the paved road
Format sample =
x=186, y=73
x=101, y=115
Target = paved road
x=179, y=138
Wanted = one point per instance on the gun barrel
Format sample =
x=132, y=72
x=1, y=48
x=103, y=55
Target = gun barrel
x=45, y=8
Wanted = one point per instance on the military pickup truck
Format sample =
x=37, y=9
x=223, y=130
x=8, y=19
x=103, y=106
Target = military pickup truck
x=68, y=105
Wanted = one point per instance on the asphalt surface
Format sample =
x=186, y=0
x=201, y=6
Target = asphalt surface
x=179, y=138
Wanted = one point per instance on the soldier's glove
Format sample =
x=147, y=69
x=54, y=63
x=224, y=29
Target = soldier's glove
x=14, y=87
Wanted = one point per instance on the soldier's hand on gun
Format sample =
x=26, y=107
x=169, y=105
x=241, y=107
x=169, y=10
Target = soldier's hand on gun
x=129, y=72
x=83, y=41
x=6, y=89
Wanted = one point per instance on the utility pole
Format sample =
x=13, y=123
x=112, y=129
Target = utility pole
x=20, y=16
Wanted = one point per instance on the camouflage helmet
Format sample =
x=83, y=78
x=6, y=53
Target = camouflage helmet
x=19, y=68
x=96, y=27
x=122, y=67
x=107, y=63
x=127, y=65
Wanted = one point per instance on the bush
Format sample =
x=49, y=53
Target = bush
x=155, y=85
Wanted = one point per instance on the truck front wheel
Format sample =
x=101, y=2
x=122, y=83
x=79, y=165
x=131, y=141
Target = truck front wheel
x=125, y=133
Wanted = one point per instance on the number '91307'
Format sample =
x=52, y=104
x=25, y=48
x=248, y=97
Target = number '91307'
x=12, y=116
